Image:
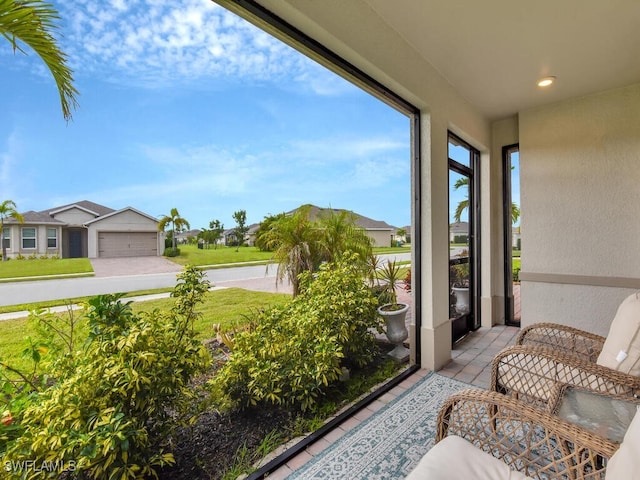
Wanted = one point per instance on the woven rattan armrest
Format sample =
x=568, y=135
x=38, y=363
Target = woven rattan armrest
x=534, y=374
x=570, y=340
x=526, y=438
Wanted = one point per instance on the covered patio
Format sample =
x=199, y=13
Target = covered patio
x=467, y=73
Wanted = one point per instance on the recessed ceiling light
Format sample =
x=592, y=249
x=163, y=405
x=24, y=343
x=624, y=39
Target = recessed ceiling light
x=546, y=81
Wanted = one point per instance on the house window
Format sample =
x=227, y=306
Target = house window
x=6, y=238
x=52, y=238
x=29, y=237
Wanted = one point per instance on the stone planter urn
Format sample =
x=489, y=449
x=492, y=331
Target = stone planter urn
x=462, y=299
x=396, y=329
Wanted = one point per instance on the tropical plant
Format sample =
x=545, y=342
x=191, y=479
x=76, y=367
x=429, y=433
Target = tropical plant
x=33, y=23
x=294, y=242
x=112, y=412
x=262, y=233
x=463, y=182
x=390, y=275
x=297, y=350
x=177, y=223
x=7, y=210
x=340, y=234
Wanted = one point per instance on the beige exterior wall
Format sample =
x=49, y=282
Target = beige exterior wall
x=580, y=194
x=41, y=241
x=125, y=221
x=74, y=216
x=381, y=238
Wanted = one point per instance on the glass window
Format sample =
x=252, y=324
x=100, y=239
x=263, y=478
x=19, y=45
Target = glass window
x=52, y=238
x=6, y=237
x=29, y=237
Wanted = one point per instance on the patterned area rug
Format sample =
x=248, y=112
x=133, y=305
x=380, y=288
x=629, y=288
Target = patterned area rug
x=391, y=442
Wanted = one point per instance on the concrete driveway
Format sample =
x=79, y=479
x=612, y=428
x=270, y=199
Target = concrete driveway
x=112, y=267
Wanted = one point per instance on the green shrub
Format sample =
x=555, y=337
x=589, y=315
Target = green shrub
x=171, y=252
x=295, y=351
x=112, y=414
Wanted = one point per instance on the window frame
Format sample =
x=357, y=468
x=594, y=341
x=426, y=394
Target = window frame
x=34, y=238
x=54, y=238
x=6, y=238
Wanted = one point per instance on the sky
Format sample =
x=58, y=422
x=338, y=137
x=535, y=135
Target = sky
x=185, y=105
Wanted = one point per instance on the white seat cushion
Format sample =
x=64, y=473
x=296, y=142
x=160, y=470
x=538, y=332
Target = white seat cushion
x=624, y=336
x=454, y=458
x=625, y=463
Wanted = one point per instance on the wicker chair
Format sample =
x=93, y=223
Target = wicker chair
x=547, y=356
x=563, y=339
x=535, y=375
x=526, y=439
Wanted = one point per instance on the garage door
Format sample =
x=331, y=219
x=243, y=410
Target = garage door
x=127, y=244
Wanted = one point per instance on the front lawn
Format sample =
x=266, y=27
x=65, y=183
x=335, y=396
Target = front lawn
x=192, y=255
x=43, y=267
x=225, y=306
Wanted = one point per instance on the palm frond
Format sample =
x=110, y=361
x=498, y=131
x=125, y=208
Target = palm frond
x=33, y=23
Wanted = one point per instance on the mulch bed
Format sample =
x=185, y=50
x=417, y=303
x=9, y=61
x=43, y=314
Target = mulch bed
x=207, y=449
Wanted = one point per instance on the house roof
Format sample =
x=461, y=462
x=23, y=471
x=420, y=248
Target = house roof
x=360, y=220
x=90, y=207
x=48, y=216
x=459, y=227
x=117, y=212
x=31, y=217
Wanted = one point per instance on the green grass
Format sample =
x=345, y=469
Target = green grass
x=51, y=266
x=192, y=255
x=226, y=306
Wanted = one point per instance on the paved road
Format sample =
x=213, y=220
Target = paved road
x=252, y=277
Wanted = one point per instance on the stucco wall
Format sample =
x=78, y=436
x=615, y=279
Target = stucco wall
x=124, y=221
x=580, y=177
x=381, y=238
x=74, y=216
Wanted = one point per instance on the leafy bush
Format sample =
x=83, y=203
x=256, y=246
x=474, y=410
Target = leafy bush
x=110, y=415
x=171, y=252
x=295, y=351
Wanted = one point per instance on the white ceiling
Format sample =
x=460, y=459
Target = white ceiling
x=494, y=51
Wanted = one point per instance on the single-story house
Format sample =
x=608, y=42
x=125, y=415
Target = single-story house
x=83, y=229
x=458, y=229
x=184, y=237
x=381, y=233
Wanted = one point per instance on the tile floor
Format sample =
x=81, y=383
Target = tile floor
x=471, y=363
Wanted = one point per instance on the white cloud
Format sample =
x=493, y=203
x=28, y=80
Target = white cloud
x=346, y=149
x=156, y=43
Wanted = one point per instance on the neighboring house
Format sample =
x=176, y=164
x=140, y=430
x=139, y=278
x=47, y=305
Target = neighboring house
x=230, y=238
x=458, y=229
x=84, y=229
x=183, y=237
x=381, y=233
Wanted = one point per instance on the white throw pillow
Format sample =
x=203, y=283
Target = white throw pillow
x=454, y=458
x=625, y=463
x=621, y=350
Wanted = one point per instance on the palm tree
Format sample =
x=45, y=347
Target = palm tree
x=177, y=223
x=464, y=203
x=340, y=234
x=33, y=22
x=294, y=242
x=7, y=210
